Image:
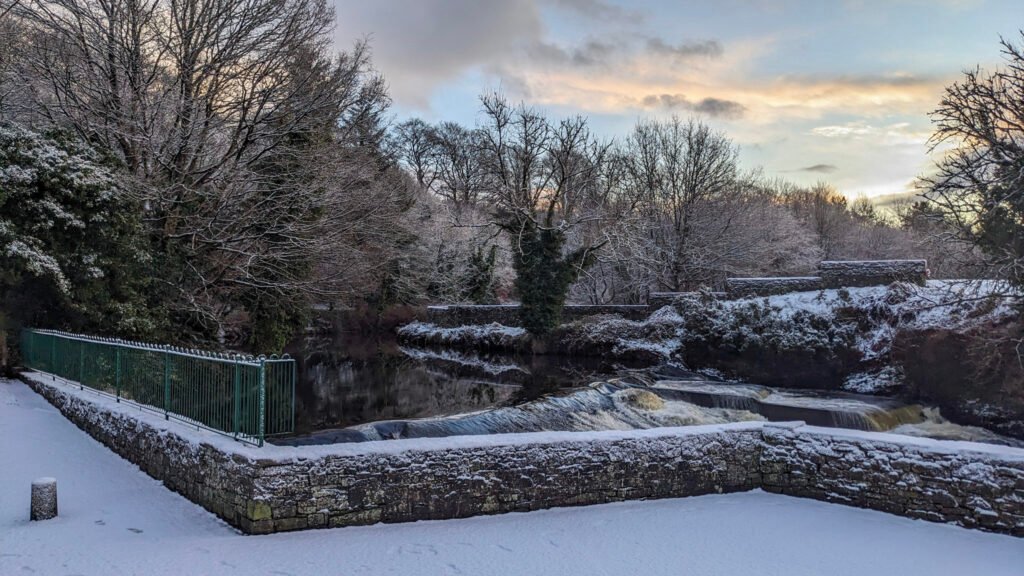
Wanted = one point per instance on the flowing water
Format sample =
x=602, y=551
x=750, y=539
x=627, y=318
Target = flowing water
x=818, y=408
x=374, y=381
x=379, y=390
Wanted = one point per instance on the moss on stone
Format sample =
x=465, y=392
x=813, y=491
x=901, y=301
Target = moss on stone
x=258, y=510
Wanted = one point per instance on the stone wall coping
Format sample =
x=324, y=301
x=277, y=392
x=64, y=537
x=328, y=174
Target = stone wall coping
x=785, y=425
x=511, y=305
x=915, y=261
x=775, y=278
x=286, y=454
x=449, y=306
x=279, y=488
x=978, y=450
x=271, y=455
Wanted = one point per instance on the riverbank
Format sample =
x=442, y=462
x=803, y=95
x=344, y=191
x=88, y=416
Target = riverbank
x=116, y=520
x=928, y=343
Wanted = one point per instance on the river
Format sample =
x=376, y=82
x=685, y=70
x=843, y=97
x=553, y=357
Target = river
x=360, y=389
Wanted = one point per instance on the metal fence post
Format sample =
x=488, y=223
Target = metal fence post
x=167, y=385
x=237, y=400
x=81, y=366
x=117, y=373
x=200, y=393
x=261, y=425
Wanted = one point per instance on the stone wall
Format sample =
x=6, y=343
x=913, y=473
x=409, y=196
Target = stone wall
x=508, y=314
x=848, y=274
x=276, y=488
x=832, y=274
x=747, y=287
x=221, y=482
x=973, y=485
x=453, y=482
x=658, y=300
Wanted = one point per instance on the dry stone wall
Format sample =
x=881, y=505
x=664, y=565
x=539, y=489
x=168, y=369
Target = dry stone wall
x=747, y=287
x=848, y=274
x=831, y=274
x=976, y=489
x=277, y=489
x=458, y=482
x=221, y=482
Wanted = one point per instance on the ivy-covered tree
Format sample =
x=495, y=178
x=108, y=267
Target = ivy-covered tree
x=73, y=252
x=542, y=178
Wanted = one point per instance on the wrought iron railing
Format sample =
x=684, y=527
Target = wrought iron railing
x=246, y=397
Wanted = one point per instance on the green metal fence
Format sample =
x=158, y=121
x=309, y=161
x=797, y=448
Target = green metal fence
x=242, y=396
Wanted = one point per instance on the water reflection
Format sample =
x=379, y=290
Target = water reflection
x=355, y=390
x=349, y=381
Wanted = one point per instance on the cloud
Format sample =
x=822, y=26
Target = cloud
x=590, y=53
x=422, y=45
x=599, y=10
x=819, y=169
x=615, y=68
x=897, y=134
x=720, y=108
x=714, y=107
x=665, y=100
x=685, y=50
x=843, y=131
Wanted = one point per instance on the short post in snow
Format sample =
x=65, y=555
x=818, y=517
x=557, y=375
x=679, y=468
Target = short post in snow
x=44, y=499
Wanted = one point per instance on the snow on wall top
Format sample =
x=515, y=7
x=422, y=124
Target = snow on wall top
x=282, y=454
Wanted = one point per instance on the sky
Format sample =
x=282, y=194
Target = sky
x=815, y=90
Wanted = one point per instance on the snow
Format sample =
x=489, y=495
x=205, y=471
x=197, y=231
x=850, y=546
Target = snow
x=975, y=450
x=289, y=453
x=493, y=334
x=467, y=359
x=292, y=453
x=115, y=520
x=880, y=381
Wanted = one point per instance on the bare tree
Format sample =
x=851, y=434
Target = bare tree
x=238, y=124
x=824, y=209
x=10, y=36
x=414, y=142
x=979, y=185
x=678, y=170
x=542, y=178
x=460, y=177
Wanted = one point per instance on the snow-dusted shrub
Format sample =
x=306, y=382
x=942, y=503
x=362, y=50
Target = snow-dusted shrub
x=655, y=339
x=485, y=337
x=739, y=325
x=71, y=247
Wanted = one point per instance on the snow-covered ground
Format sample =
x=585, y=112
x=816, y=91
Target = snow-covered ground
x=116, y=520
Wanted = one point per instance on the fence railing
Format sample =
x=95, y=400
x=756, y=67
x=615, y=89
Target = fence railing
x=246, y=397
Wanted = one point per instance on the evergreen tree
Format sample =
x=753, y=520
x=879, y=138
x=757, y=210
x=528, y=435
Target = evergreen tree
x=74, y=256
x=478, y=281
x=544, y=274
